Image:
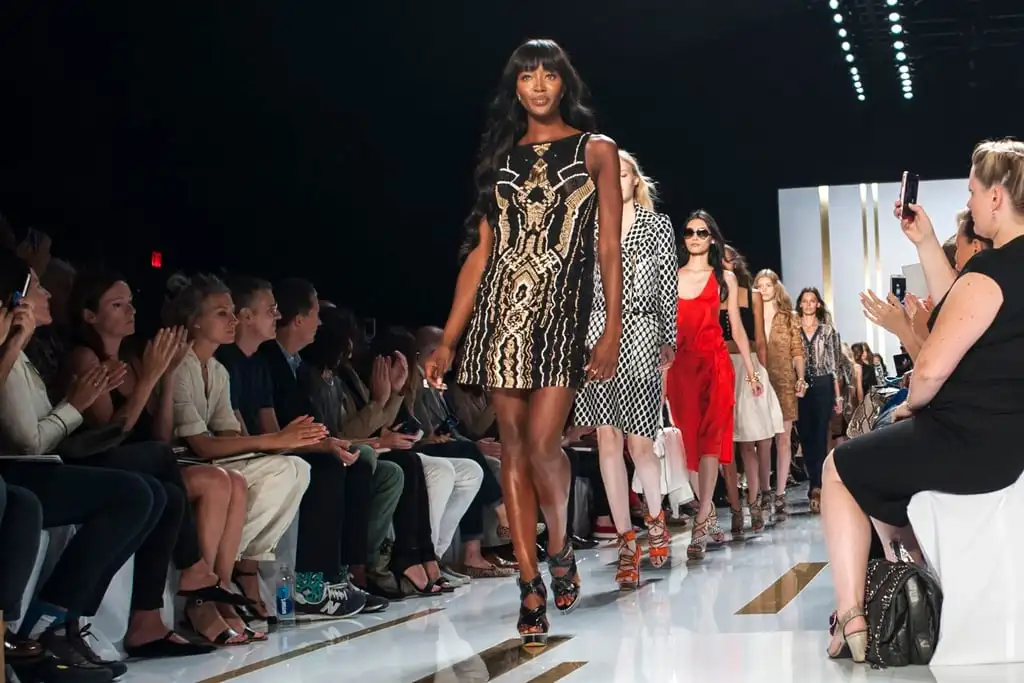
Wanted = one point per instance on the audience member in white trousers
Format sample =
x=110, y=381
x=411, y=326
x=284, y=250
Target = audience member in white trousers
x=451, y=486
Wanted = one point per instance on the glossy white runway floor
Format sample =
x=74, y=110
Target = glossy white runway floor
x=681, y=626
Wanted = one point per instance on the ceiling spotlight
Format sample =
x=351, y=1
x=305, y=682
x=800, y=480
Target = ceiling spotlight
x=842, y=33
x=859, y=89
x=894, y=17
x=904, y=77
x=845, y=45
x=901, y=56
x=899, y=45
x=861, y=97
x=849, y=57
x=896, y=28
x=838, y=18
x=908, y=95
x=834, y=4
x=904, y=69
x=892, y=3
x=907, y=87
x=853, y=70
x=856, y=78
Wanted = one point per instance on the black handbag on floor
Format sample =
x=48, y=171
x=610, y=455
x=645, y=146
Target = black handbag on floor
x=903, y=603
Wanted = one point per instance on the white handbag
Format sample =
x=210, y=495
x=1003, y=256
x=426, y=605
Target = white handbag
x=675, y=481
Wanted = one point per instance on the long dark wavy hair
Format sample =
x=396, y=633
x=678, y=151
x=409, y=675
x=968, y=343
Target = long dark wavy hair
x=506, y=125
x=716, y=252
x=89, y=288
x=739, y=267
x=822, y=313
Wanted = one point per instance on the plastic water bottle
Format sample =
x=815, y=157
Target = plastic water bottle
x=284, y=596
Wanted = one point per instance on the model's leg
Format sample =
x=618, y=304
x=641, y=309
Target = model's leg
x=512, y=411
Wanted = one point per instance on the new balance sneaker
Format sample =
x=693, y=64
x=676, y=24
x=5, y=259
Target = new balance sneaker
x=337, y=601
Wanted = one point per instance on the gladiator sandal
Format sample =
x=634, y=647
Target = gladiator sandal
x=756, y=515
x=533, y=622
x=737, y=521
x=715, y=531
x=765, y=502
x=816, y=502
x=699, y=540
x=657, y=535
x=566, y=587
x=628, y=575
x=781, y=511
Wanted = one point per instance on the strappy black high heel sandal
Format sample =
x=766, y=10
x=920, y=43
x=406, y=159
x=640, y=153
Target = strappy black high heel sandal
x=248, y=610
x=533, y=623
x=566, y=588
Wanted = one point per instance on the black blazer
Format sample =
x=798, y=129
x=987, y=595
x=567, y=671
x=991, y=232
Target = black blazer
x=290, y=401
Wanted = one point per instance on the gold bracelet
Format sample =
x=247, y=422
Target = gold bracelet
x=755, y=378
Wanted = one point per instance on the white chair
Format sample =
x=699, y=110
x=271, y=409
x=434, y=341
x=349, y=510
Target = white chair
x=972, y=544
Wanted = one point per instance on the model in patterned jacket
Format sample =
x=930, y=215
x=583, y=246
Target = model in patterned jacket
x=631, y=403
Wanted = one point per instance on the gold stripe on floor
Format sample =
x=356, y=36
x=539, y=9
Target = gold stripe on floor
x=557, y=673
x=783, y=591
x=313, y=647
x=495, y=661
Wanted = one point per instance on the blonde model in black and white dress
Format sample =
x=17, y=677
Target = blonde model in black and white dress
x=631, y=402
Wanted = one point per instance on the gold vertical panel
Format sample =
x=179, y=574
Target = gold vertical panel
x=258, y=666
x=557, y=673
x=826, y=247
x=495, y=661
x=880, y=347
x=783, y=591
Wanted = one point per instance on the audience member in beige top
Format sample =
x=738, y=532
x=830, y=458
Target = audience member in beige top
x=205, y=422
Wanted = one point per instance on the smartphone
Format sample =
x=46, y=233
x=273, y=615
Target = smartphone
x=898, y=286
x=908, y=192
x=19, y=294
x=370, y=328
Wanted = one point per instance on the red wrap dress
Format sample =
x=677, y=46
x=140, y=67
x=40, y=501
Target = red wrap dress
x=701, y=383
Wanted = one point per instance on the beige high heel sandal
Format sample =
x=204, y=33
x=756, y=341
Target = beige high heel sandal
x=854, y=645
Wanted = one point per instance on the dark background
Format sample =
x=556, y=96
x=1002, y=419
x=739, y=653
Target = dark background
x=337, y=143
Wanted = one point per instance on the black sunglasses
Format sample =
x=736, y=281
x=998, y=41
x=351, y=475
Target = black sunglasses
x=699, y=232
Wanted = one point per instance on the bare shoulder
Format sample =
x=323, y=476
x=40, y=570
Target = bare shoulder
x=730, y=279
x=601, y=148
x=83, y=358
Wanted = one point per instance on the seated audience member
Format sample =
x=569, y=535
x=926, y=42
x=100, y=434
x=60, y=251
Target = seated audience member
x=334, y=514
x=49, y=344
x=205, y=422
x=115, y=511
x=968, y=381
x=431, y=489
x=412, y=557
x=102, y=317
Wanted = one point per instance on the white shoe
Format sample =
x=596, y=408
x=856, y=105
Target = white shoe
x=454, y=577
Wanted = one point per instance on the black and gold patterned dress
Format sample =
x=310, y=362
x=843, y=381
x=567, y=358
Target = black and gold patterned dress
x=528, y=328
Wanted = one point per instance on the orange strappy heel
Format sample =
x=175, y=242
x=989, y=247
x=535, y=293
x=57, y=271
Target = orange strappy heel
x=628, y=574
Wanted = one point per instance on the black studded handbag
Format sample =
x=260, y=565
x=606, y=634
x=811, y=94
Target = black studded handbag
x=903, y=603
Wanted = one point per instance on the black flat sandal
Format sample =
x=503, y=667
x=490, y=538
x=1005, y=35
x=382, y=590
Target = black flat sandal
x=217, y=593
x=566, y=588
x=533, y=623
x=223, y=639
x=166, y=647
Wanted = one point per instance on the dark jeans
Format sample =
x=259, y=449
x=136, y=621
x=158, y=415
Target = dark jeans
x=471, y=526
x=334, y=515
x=413, y=541
x=21, y=523
x=586, y=465
x=815, y=413
x=114, y=512
x=173, y=535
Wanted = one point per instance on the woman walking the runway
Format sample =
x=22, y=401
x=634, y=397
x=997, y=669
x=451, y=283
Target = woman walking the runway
x=701, y=381
x=632, y=402
x=524, y=295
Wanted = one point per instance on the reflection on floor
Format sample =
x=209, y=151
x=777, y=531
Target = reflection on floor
x=754, y=611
